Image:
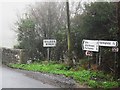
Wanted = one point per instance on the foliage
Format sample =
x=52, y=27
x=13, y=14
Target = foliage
x=99, y=20
x=43, y=21
x=96, y=20
x=91, y=78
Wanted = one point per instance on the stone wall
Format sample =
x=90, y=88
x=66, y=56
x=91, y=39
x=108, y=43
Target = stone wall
x=13, y=56
x=0, y=57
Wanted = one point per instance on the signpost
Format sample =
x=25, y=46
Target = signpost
x=90, y=45
x=49, y=43
x=93, y=45
x=115, y=49
x=89, y=54
x=108, y=43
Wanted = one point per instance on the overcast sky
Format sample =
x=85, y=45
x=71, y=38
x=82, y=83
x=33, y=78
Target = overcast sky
x=8, y=16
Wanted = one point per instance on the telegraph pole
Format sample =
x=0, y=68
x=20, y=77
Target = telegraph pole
x=70, y=62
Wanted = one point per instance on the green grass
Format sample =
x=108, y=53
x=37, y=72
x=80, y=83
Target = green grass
x=90, y=78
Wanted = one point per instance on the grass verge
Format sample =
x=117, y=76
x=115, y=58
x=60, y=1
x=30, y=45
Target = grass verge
x=91, y=78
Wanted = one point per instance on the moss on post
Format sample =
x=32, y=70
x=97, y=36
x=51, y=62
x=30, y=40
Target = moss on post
x=70, y=62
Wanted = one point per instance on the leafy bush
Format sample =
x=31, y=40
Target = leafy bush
x=108, y=84
x=93, y=83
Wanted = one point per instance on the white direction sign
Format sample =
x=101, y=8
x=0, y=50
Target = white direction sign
x=108, y=43
x=49, y=43
x=90, y=45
